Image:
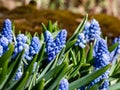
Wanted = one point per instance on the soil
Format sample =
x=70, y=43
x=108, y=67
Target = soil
x=28, y=18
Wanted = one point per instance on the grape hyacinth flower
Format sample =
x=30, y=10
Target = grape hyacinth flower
x=60, y=41
x=102, y=58
x=34, y=46
x=20, y=44
x=7, y=30
x=50, y=46
x=33, y=49
x=92, y=30
x=53, y=47
x=19, y=74
x=81, y=40
x=1, y=50
x=116, y=52
x=4, y=43
x=64, y=84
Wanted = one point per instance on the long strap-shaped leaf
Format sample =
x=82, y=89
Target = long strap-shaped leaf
x=40, y=85
x=90, y=55
x=12, y=69
x=88, y=78
x=22, y=82
x=69, y=45
x=4, y=64
x=25, y=78
x=115, y=86
x=0, y=70
x=79, y=28
x=6, y=55
x=59, y=77
x=111, y=48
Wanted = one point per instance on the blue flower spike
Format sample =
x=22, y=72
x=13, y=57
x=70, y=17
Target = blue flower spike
x=81, y=42
x=50, y=46
x=34, y=46
x=1, y=50
x=92, y=30
x=53, y=47
x=64, y=84
x=20, y=44
x=18, y=74
x=116, y=52
x=61, y=39
x=4, y=43
x=7, y=30
x=102, y=58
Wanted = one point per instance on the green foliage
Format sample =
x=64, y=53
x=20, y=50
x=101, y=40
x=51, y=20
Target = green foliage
x=72, y=62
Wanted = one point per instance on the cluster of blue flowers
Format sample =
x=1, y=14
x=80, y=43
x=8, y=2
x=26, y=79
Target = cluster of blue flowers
x=91, y=32
x=20, y=44
x=115, y=53
x=50, y=46
x=81, y=42
x=4, y=44
x=53, y=47
x=34, y=48
x=102, y=58
x=7, y=30
x=18, y=74
x=64, y=84
x=1, y=50
x=6, y=36
x=60, y=40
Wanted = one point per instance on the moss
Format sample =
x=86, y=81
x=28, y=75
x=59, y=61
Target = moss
x=3, y=9
x=28, y=18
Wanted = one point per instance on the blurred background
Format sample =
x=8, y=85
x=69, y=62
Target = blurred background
x=111, y=7
x=29, y=14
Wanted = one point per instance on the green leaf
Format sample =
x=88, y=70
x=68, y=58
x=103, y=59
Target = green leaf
x=115, y=86
x=12, y=69
x=78, y=56
x=6, y=55
x=49, y=27
x=45, y=70
x=31, y=65
x=59, y=77
x=31, y=82
x=13, y=32
x=83, y=56
x=3, y=73
x=115, y=68
x=22, y=82
x=111, y=48
x=55, y=26
x=96, y=86
x=69, y=45
x=44, y=28
x=39, y=86
x=88, y=78
x=73, y=57
x=79, y=29
x=58, y=59
x=0, y=70
x=4, y=63
x=90, y=54
x=41, y=53
x=54, y=71
x=54, y=34
x=74, y=71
